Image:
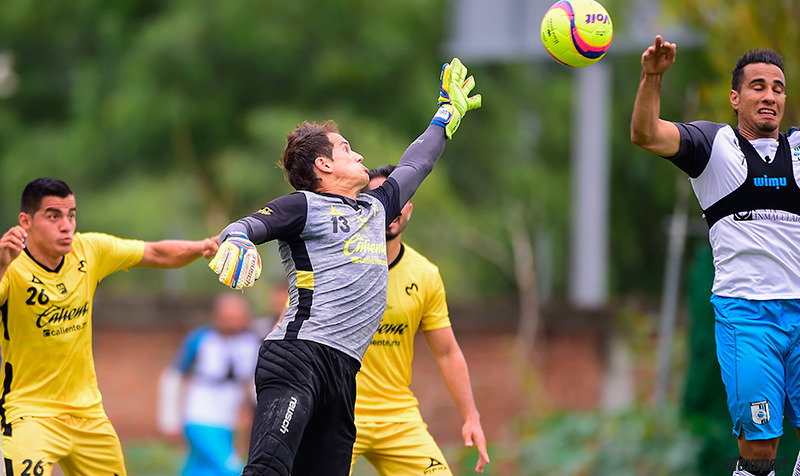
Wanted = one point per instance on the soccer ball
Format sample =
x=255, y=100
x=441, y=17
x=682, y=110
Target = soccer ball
x=577, y=32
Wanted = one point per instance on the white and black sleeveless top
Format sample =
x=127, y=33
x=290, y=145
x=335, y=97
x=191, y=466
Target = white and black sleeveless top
x=750, y=195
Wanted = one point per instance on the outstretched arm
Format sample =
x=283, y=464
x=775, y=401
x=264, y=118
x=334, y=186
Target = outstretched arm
x=417, y=162
x=176, y=253
x=648, y=130
x=454, y=102
x=455, y=374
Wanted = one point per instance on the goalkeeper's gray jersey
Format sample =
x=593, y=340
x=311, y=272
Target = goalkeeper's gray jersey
x=333, y=249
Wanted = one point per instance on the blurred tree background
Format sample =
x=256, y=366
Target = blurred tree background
x=167, y=119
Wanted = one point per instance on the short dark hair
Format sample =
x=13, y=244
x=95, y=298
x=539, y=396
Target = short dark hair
x=37, y=189
x=753, y=56
x=303, y=145
x=382, y=171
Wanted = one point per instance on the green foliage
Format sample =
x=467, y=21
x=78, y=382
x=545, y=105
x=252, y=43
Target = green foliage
x=196, y=98
x=640, y=441
x=729, y=28
x=121, y=99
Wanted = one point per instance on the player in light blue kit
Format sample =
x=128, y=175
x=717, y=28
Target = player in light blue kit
x=216, y=363
x=746, y=180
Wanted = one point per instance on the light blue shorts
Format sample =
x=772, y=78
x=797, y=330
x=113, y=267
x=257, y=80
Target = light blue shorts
x=758, y=349
x=211, y=452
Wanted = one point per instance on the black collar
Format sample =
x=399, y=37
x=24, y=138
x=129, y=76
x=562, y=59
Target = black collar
x=399, y=256
x=56, y=270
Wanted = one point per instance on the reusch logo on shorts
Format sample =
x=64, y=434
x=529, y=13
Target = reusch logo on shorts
x=760, y=412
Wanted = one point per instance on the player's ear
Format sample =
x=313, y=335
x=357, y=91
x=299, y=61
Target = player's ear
x=735, y=99
x=323, y=164
x=25, y=220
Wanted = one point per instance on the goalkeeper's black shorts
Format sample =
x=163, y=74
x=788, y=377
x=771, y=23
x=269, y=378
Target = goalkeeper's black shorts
x=303, y=423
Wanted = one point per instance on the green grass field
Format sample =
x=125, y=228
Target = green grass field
x=160, y=459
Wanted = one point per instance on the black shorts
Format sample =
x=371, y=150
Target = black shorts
x=303, y=422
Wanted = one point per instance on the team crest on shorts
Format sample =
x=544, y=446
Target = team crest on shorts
x=435, y=466
x=760, y=412
x=796, y=153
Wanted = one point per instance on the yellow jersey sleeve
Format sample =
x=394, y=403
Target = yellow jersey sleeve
x=48, y=366
x=435, y=314
x=115, y=254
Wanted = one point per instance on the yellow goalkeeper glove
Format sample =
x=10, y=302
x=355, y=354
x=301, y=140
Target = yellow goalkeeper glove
x=237, y=262
x=454, y=99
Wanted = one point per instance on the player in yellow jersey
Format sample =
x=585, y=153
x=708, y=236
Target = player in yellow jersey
x=51, y=410
x=391, y=434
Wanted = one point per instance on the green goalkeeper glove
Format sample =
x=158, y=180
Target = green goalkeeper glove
x=237, y=262
x=454, y=99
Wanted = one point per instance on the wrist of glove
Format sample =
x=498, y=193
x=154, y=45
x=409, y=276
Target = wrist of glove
x=454, y=99
x=448, y=117
x=237, y=262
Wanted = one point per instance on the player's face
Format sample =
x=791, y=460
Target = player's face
x=761, y=100
x=51, y=228
x=346, y=163
x=398, y=224
x=231, y=315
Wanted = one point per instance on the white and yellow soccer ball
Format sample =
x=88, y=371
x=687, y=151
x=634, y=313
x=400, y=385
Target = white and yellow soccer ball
x=577, y=32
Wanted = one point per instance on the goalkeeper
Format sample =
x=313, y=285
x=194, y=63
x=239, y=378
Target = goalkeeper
x=333, y=247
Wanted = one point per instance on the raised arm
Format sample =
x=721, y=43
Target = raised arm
x=11, y=245
x=176, y=253
x=648, y=130
x=418, y=161
x=453, y=367
x=454, y=102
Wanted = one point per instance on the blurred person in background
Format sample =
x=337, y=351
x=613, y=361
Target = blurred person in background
x=333, y=248
x=391, y=434
x=208, y=386
x=277, y=300
x=52, y=410
x=747, y=180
